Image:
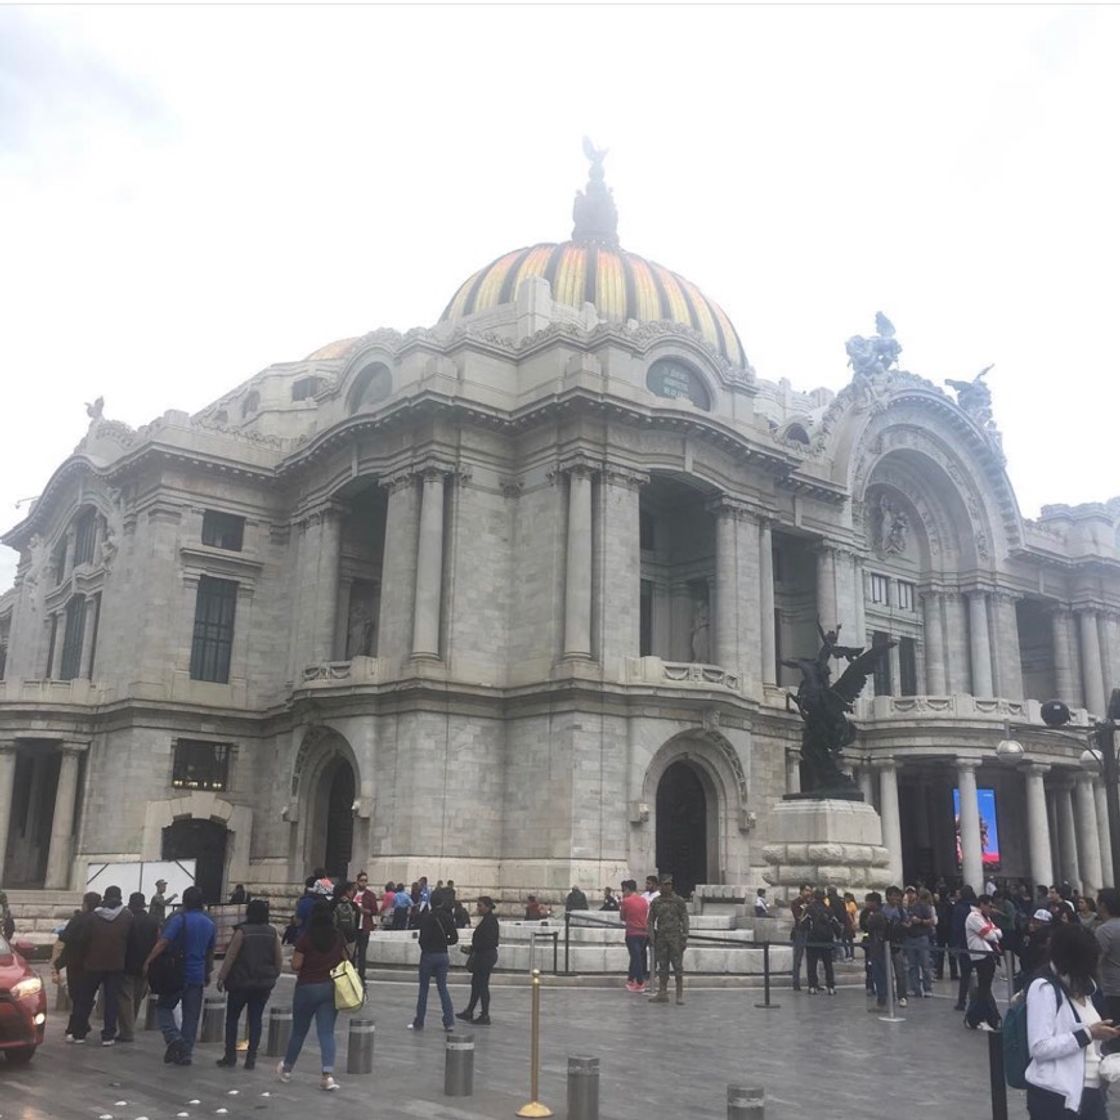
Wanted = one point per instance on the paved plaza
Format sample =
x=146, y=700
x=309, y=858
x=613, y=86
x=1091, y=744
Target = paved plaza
x=813, y=1053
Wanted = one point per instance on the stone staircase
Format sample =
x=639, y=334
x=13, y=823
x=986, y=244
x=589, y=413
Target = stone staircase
x=38, y=913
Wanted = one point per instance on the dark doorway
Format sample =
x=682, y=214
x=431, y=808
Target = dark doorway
x=29, y=833
x=203, y=841
x=340, y=818
x=682, y=827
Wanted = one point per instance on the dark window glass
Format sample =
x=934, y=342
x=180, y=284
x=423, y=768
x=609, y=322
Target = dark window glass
x=58, y=561
x=93, y=641
x=85, y=537
x=3, y=659
x=778, y=562
x=670, y=378
x=646, y=531
x=72, y=639
x=199, y=765
x=907, y=667
x=223, y=530
x=213, y=629
x=882, y=666
x=305, y=388
x=777, y=644
x=50, y=648
x=645, y=623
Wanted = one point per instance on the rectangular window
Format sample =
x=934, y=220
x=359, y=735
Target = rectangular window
x=200, y=765
x=880, y=589
x=905, y=595
x=72, y=639
x=645, y=623
x=50, y=648
x=223, y=530
x=93, y=640
x=3, y=659
x=213, y=629
x=305, y=388
x=883, y=665
x=85, y=537
x=646, y=531
x=908, y=667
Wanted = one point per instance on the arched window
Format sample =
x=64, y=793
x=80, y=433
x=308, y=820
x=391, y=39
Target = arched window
x=373, y=384
x=798, y=434
x=672, y=378
x=250, y=404
x=220, y=417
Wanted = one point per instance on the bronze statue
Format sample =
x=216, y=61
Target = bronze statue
x=824, y=707
x=869, y=357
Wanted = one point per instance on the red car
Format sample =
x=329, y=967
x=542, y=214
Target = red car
x=23, y=1005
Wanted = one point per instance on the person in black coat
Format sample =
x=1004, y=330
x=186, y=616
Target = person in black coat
x=142, y=936
x=943, y=907
x=483, y=957
x=958, y=941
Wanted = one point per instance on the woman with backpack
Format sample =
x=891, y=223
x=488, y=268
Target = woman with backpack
x=249, y=973
x=824, y=928
x=318, y=951
x=1065, y=1029
x=347, y=916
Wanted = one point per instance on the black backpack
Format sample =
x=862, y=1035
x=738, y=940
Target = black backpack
x=346, y=920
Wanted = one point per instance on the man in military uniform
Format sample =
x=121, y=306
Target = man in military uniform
x=668, y=932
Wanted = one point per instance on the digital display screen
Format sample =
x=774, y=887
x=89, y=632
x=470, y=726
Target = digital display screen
x=989, y=829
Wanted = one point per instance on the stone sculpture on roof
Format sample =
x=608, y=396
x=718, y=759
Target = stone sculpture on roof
x=594, y=212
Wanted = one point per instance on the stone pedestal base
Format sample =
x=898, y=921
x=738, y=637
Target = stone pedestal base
x=826, y=843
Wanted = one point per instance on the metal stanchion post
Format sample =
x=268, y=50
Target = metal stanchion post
x=279, y=1031
x=359, y=1048
x=567, y=943
x=766, y=1004
x=890, y=1016
x=996, y=1075
x=534, y=1108
x=1009, y=966
x=151, y=1014
x=213, y=1019
x=556, y=952
x=583, y=1088
x=745, y=1102
x=458, y=1066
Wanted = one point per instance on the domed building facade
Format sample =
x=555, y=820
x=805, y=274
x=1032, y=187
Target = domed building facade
x=509, y=600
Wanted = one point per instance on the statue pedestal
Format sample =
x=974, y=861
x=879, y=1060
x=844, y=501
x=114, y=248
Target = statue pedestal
x=827, y=843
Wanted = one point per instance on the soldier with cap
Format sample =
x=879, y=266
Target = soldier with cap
x=668, y=932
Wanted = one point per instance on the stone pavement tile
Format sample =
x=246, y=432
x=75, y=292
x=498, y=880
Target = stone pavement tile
x=656, y=1061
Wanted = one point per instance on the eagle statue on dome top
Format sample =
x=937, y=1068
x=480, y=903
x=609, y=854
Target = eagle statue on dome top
x=869, y=357
x=594, y=213
x=974, y=399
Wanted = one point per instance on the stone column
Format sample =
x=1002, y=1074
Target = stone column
x=326, y=585
x=980, y=644
x=866, y=783
x=1092, y=670
x=89, y=634
x=1103, y=835
x=619, y=564
x=766, y=603
x=577, y=574
x=61, y=854
x=396, y=613
x=972, y=851
x=1065, y=668
x=7, y=781
x=892, y=821
x=934, y=634
x=895, y=658
x=1088, y=838
x=429, y=567
x=827, y=610
x=680, y=646
x=1008, y=654
x=1055, y=834
x=725, y=616
x=1067, y=831
x=793, y=771
x=1038, y=825
x=957, y=674
x=859, y=591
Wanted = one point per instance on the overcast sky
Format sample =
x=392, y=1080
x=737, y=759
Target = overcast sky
x=187, y=195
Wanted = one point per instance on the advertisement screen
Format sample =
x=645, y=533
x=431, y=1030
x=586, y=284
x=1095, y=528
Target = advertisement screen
x=989, y=831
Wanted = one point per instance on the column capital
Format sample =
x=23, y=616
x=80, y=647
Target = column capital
x=885, y=764
x=972, y=764
x=7, y=744
x=72, y=746
x=616, y=474
x=427, y=467
x=1037, y=768
x=724, y=505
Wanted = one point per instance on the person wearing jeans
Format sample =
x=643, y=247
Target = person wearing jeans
x=920, y=923
x=192, y=931
x=437, y=932
x=983, y=947
x=321, y=949
x=634, y=911
x=483, y=958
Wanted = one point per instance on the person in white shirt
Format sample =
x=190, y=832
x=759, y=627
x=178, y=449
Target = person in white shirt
x=653, y=888
x=982, y=935
x=761, y=906
x=1065, y=1031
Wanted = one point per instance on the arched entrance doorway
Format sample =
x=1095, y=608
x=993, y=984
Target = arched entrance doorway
x=682, y=827
x=337, y=799
x=204, y=841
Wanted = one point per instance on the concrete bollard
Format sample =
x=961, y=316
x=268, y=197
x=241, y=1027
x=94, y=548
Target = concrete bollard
x=62, y=998
x=151, y=1014
x=745, y=1102
x=458, y=1066
x=213, y=1020
x=583, y=1088
x=279, y=1031
x=359, y=1050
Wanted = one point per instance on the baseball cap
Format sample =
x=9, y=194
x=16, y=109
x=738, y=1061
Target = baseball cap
x=1043, y=916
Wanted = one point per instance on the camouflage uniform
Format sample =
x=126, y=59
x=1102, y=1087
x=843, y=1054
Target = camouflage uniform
x=668, y=931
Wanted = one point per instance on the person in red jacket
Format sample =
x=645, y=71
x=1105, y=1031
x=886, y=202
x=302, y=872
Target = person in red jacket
x=634, y=911
x=366, y=902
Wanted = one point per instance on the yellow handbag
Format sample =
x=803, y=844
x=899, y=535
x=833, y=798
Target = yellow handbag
x=348, y=991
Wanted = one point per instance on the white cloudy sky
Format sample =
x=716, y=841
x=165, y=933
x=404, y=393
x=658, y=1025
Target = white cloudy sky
x=187, y=195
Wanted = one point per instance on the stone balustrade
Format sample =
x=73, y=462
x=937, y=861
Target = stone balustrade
x=958, y=707
x=653, y=670
x=77, y=691
x=358, y=670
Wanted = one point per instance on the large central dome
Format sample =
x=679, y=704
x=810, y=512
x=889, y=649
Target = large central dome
x=593, y=268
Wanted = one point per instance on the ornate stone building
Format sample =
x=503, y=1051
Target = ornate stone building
x=507, y=599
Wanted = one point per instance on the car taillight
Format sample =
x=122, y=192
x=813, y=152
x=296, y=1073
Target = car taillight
x=32, y=986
